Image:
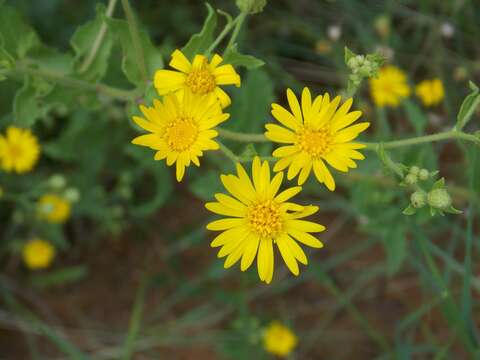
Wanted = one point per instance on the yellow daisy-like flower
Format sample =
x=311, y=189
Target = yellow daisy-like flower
x=258, y=217
x=279, y=340
x=316, y=132
x=181, y=128
x=431, y=92
x=390, y=87
x=200, y=77
x=54, y=208
x=38, y=254
x=19, y=150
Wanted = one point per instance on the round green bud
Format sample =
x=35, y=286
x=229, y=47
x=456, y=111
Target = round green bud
x=414, y=170
x=57, y=181
x=418, y=199
x=411, y=179
x=251, y=6
x=72, y=195
x=423, y=174
x=439, y=199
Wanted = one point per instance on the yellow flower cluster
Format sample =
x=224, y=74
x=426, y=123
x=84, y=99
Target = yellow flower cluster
x=314, y=132
x=182, y=125
x=279, y=340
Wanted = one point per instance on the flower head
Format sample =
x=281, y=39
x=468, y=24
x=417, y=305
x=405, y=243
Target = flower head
x=279, y=340
x=390, y=87
x=258, y=218
x=315, y=132
x=19, y=150
x=431, y=92
x=38, y=254
x=200, y=76
x=54, y=208
x=181, y=128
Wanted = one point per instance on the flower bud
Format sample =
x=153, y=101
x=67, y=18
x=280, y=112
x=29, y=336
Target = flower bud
x=411, y=179
x=72, y=195
x=423, y=174
x=439, y=199
x=418, y=199
x=414, y=170
x=57, y=181
x=251, y=6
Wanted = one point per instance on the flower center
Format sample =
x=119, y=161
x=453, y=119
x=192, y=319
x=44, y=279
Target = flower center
x=15, y=151
x=314, y=142
x=181, y=133
x=201, y=81
x=264, y=218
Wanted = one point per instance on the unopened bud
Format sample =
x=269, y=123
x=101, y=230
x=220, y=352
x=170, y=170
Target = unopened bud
x=418, y=199
x=251, y=6
x=411, y=179
x=72, y=195
x=423, y=174
x=414, y=170
x=439, y=199
x=57, y=181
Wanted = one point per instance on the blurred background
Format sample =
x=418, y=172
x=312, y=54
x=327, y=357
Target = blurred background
x=133, y=274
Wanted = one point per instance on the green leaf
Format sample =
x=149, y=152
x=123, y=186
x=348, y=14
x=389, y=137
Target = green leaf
x=396, y=249
x=60, y=277
x=18, y=38
x=388, y=162
x=27, y=108
x=233, y=57
x=410, y=210
x=439, y=184
x=206, y=185
x=415, y=116
x=468, y=107
x=152, y=56
x=82, y=41
x=348, y=54
x=200, y=42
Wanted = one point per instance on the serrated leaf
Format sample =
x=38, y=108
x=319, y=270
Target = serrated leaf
x=18, y=37
x=200, y=42
x=152, y=56
x=468, y=107
x=26, y=106
x=233, y=57
x=439, y=184
x=82, y=42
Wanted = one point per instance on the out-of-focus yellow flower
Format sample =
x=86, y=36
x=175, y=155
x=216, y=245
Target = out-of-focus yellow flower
x=390, y=87
x=181, y=128
x=38, y=254
x=54, y=208
x=323, y=47
x=200, y=77
x=315, y=132
x=279, y=340
x=431, y=92
x=258, y=218
x=19, y=150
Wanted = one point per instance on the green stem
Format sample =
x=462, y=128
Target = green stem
x=221, y=36
x=241, y=137
x=98, y=40
x=120, y=94
x=135, y=35
x=453, y=134
x=240, y=19
x=228, y=153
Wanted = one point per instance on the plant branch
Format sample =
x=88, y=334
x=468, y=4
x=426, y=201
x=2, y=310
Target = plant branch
x=99, y=39
x=241, y=137
x=116, y=93
x=240, y=19
x=135, y=35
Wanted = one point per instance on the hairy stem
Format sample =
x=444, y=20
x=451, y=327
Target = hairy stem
x=120, y=94
x=240, y=19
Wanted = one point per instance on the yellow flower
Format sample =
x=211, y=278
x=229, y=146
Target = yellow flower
x=318, y=131
x=258, y=217
x=54, y=208
x=390, y=87
x=431, y=92
x=38, y=254
x=200, y=77
x=279, y=340
x=19, y=150
x=181, y=128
